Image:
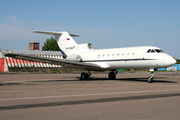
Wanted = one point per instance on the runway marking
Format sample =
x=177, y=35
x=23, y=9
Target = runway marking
x=78, y=102
x=83, y=95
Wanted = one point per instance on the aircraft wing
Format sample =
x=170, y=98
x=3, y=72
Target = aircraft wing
x=67, y=63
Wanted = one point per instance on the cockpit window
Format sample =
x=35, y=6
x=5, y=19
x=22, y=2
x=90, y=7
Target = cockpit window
x=155, y=51
x=152, y=51
x=158, y=50
x=161, y=51
x=149, y=51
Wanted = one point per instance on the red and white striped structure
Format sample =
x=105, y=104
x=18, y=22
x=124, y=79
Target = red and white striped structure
x=6, y=62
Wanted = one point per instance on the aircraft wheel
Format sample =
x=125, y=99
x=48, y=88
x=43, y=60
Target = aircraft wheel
x=112, y=76
x=84, y=76
x=150, y=80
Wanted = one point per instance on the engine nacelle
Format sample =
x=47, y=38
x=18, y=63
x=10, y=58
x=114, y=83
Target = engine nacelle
x=86, y=46
x=74, y=57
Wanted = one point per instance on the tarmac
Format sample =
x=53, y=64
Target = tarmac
x=63, y=96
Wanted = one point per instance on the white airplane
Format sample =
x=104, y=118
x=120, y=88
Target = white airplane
x=84, y=57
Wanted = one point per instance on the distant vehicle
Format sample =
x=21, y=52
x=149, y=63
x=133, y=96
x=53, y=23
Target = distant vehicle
x=83, y=56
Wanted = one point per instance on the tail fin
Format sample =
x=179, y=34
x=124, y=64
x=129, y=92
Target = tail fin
x=64, y=40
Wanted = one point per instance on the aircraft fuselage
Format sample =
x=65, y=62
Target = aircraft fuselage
x=127, y=58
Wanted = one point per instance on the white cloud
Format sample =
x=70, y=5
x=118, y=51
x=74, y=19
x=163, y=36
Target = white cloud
x=11, y=16
x=48, y=13
x=35, y=21
x=17, y=30
x=14, y=33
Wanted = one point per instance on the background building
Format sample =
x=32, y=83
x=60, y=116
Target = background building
x=34, y=45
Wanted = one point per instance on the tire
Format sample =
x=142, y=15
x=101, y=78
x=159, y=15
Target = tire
x=112, y=76
x=84, y=76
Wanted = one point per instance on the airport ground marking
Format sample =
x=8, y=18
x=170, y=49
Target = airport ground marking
x=83, y=95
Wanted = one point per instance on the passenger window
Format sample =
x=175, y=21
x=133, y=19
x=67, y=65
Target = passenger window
x=112, y=55
x=103, y=55
x=128, y=54
x=123, y=54
x=99, y=55
x=133, y=54
x=149, y=51
x=107, y=55
x=118, y=54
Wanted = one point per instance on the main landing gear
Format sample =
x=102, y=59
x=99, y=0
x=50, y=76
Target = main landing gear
x=112, y=75
x=85, y=75
x=150, y=79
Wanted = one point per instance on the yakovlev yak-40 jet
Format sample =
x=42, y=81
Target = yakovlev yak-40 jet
x=82, y=56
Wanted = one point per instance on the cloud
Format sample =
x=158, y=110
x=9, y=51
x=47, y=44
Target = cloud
x=48, y=13
x=12, y=28
x=35, y=21
x=11, y=16
x=14, y=33
x=17, y=30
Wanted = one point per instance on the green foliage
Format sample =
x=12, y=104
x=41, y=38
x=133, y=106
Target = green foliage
x=178, y=61
x=50, y=45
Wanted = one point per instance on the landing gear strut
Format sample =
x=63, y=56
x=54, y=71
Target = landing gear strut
x=150, y=79
x=112, y=75
x=85, y=75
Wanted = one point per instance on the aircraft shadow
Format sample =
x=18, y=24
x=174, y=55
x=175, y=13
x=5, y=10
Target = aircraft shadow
x=54, y=81
x=156, y=80
x=9, y=84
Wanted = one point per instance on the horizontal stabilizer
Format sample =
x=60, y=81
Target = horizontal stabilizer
x=53, y=33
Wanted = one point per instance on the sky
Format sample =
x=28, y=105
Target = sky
x=104, y=23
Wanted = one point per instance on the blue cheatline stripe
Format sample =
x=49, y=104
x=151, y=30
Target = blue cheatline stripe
x=115, y=60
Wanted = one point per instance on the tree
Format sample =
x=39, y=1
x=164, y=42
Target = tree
x=50, y=45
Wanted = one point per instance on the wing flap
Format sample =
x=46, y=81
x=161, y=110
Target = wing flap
x=72, y=64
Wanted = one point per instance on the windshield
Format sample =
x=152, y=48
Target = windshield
x=154, y=51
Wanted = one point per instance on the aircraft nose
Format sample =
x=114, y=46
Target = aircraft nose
x=169, y=61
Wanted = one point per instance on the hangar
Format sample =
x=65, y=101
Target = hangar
x=8, y=62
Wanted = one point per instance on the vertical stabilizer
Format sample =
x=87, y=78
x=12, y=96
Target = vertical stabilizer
x=65, y=42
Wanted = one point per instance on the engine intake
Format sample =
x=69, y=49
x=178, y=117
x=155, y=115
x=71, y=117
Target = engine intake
x=74, y=57
x=84, y=46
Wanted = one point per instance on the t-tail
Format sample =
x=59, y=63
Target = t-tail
x=64, y=40
x=68, y=46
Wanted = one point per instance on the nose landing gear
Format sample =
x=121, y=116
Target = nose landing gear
x=150, y=79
